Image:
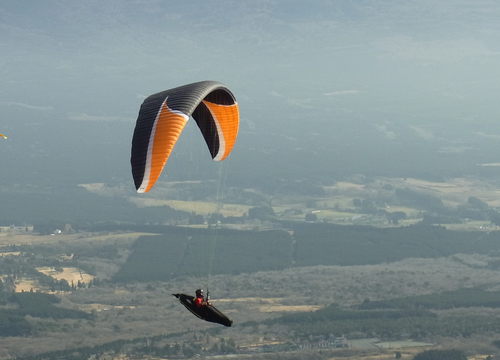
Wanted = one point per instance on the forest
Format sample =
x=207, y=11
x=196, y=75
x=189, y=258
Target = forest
x=39, y=305
x=181, y=251
x=417, y=317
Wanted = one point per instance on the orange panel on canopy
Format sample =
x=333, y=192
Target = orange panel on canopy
x=227, y=119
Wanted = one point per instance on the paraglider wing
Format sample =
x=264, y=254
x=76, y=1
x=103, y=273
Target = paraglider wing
x=163, y=116
x=3, y=136
x=208, y=312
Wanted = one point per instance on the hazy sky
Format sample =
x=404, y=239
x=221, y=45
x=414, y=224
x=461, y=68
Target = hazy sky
x=306, y=73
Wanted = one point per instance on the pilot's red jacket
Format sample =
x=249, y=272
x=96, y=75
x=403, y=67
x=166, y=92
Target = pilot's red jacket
x=198, y=301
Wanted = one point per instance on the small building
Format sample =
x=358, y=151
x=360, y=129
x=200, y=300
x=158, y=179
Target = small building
x=15, y=229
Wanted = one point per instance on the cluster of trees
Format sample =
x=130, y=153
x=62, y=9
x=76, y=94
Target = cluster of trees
x=441, y=355
x=389, y=324
x=43, y=306
x=76, y=206
x=437, y=213
x=329, y=244
x=412, y=317
x=94, y=209
x=12, y=324
x=13, y=318
x=468, y=297
x=433, y=209
x=41, y=205
x=31, y=257
x=189, y=349
x=15, y=267
x=185, y=251
x=155, y=346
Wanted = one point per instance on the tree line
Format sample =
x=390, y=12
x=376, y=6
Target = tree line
x=187, y=251
x=13, y=319
x=409, y=317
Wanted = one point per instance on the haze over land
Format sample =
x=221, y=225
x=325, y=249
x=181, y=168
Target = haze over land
x=327, y=90
x=360, y=204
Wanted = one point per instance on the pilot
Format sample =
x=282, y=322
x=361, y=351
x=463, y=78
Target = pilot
x=200, y=300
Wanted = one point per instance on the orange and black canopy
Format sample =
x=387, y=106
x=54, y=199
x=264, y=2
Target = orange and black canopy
x=163, y=116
